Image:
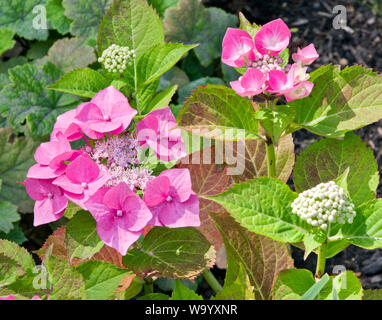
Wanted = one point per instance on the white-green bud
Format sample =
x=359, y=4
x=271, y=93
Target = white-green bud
x=116, y=58
x=325, y=203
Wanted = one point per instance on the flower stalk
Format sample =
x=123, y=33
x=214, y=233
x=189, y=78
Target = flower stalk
x=212, y=281
x=321, y=260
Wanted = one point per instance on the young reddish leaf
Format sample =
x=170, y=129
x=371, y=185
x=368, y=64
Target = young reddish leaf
x=207, y=179
x=255, y=157
x=262, y=258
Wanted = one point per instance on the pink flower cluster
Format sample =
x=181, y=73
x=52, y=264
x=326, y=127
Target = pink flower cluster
x=104, y=176
x=261, y=57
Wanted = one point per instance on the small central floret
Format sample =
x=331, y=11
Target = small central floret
x=323, y=204
x=119, y=213
x=119, y=157
x=267, y=63
x=169, y=199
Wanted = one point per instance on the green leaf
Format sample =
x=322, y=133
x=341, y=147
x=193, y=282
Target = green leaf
x=55, y=14
x=328, y=159
x=38, y=50
x=159, y=59
x=71, y=210
x=162, y=5
x=185, y=91
x=70, y=53
x=15, y=235
x=335, y=247
x=21, y=16
x=345, y=286
x=146, y=94
x=177, y=253
x=27, y=100
x=130, y=23
x=154, y=296
x=86, y=16
x=133, y=290
x=17, y=254
x=82, y=240
x=295, y=284
x=292, y=284
x=253, y=204
x=26, y=287
x=261, y=258
x=6, y=40
x=315, y=289
x=181, y=292
x=251, y=28
x=9, y=271
x=238, y=289
x=340, y=100
x=217, y=112
x=275, y=121
x=101, y=279
x=67, y=283
x=284, y=55
x=84, y=82
x=190, y=22
x=16, y=157
x=8, y=215
x=162, y=99
x=312, y=241
x=366, y=229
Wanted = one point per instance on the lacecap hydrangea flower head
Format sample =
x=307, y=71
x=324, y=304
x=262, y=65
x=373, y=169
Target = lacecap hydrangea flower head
x=107, y=176
x=265, y=70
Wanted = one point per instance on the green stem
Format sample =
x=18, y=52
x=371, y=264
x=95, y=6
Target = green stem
x=321, y=260
x=211, y=280
x=148, y=286
x=271, y=159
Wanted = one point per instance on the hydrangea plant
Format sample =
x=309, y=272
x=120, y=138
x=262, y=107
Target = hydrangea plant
x=135, y=201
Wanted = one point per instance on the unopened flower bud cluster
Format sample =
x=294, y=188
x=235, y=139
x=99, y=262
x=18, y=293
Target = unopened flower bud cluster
x=116, y=58
x=267, y=63
x=325, y=203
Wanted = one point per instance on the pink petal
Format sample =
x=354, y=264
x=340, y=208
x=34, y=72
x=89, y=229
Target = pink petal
x=301, y=90
x=97, y=184
x=82, y=169
x=68, y=185
x=180, y=181
x=38, y=171
x=47, y=151
x=136, y=214
x=114, y=105
x=88, y=112
x=156, y=191
x=273, y=37
x=101, y=213
x=237, y=45
x=178, y=215
x=66, y=124
x=277, y=80
x=306, y=55
x=117, y=237
x=115, y=197
x=10, y=297
x=46, y=211
x=39, y=189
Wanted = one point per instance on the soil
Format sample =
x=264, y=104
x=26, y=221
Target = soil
x=359, y=43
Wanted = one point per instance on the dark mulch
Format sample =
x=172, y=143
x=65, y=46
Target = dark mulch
x=360, y=43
